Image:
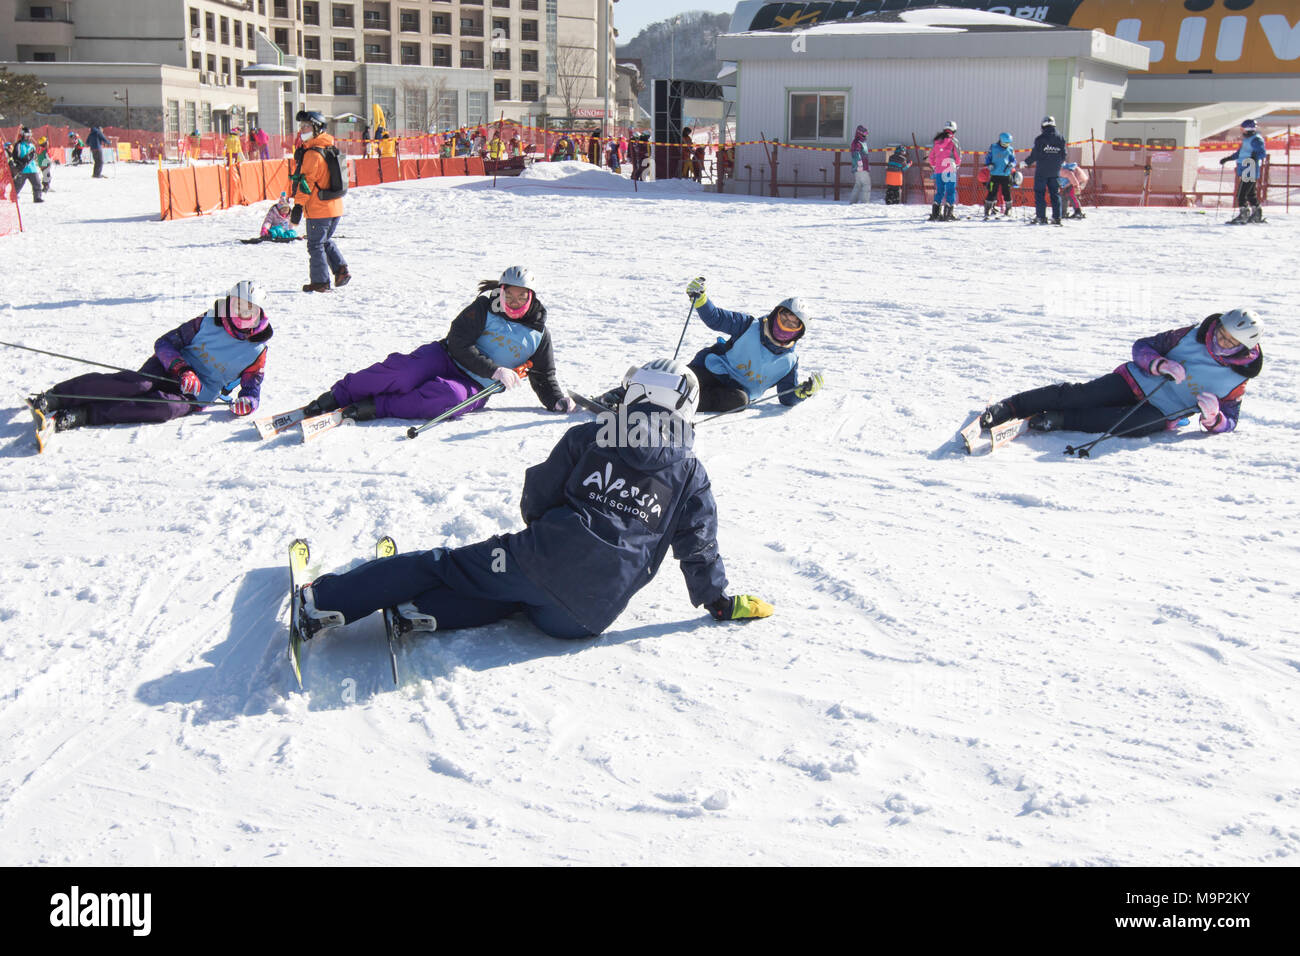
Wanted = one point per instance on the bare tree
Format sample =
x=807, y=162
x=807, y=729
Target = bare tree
x=423, y=113
x=575, y=72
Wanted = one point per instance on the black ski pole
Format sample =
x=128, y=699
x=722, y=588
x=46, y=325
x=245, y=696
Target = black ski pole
x=153, y=401
x=1071, y=450
x=689, y=313
x=414, y=430
x=1086, y=450
x=73, y=358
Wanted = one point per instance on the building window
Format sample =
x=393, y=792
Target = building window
x=500, y=24
x=500, y=59
x=282, y=9
x=470, y=27
x=212, y=63
x=528, y=30
x=239, y=34
x=252, y=42
x=225, y=30
x=386, y=98
x=528, y=61
x=342, y=14
x=441, y=24
x=173, y=119
x=527, y=4
x=311, y=48
x=441, y=55
x=448, y=109
x=376, y=53
x=416, y=105
x=374, y=19
x=345, y=84
x=410, y=21
x=410, y=54
x=501, y=3
x=500, y=89
x=282, y=39
x=817, y=116
x=191, y=115
x=343, y=50
x=313, y=81
x=311, y=14
x=210, y=26
x=528, y=91
x=476, y=107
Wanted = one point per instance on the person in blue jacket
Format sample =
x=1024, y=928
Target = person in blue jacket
x=1201, y=367
x=1000, y=160
x=1046, y=157
x=599, y=518
x=1250, y=158
x=23, y=162
x=97, y=141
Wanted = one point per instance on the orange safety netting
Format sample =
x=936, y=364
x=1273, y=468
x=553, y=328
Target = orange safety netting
x=11, y=219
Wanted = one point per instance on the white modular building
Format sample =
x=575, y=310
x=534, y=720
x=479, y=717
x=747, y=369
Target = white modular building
x=905, y=74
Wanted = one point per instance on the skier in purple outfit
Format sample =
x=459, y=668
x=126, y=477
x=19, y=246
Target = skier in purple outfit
x=1203, y=367
x=495, y=334
x=195, y=364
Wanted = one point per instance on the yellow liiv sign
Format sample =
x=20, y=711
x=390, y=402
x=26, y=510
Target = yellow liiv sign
x=1231, y=37
x=124, y=152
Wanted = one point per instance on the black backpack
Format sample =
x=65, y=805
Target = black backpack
x=338, y=187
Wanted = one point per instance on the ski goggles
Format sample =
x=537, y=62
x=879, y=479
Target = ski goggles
x=785, y=325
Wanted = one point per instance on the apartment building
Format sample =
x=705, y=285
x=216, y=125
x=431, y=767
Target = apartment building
x=428, y=63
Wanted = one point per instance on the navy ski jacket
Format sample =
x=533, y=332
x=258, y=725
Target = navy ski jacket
x=601, y=518
x=1047, y=155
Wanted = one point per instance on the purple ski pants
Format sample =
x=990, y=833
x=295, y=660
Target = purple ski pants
x=125, y=386
x=420, y=384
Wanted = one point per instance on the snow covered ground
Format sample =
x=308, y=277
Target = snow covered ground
x=1022, y=659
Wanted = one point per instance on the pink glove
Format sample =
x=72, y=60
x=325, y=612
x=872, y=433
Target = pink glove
x=565, y=404
x=1164, y=366
x=190, y=384
x=507, y=377
x=1210, y=414
x=243, y=406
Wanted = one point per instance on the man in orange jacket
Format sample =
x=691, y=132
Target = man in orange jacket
x=312, y=176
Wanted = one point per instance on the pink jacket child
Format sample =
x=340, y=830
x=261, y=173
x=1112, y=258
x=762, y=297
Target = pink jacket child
x=277, y=224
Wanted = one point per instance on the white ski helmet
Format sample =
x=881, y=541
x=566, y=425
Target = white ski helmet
x=668, y=383
x=247, y=290
x=1243, y=325
x=951, y=124
x=794, y=304
x=1049, y=121
x=518, y=276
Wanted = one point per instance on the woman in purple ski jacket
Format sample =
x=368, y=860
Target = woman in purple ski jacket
x=1201, y=368
x=494, y=335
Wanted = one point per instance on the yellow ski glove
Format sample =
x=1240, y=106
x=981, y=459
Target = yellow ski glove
x=696, y=292
x=739, y=608
x=809, y=387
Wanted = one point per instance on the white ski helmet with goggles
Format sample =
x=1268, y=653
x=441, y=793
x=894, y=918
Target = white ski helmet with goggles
x=795, y=307
x=668, y=383
x=520, y=278
x=1243, y=325
x=247, y=291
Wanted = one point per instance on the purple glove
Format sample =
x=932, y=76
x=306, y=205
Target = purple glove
x=243, y=406
x=507, y=377
x=190, y=384
x=1211, y=417
x=1164, y=366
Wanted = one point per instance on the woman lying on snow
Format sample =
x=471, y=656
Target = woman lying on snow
x=193, y=365
x=1172, y=374
x=495, y=334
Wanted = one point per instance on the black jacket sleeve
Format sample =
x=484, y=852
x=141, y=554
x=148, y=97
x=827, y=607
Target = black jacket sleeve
x=464, y=333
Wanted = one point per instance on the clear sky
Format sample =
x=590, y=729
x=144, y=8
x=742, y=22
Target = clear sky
x=631, y=16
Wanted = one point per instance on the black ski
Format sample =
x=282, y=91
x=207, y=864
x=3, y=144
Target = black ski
x=386, y=547
x=591, y=405
x=299, y=554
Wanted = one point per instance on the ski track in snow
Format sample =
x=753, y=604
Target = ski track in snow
x=1025, y=659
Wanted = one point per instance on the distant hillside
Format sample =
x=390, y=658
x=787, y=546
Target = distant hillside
x=692, y=53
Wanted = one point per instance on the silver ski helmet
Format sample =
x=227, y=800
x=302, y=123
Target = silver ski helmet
x=1049, y=121
x=667, y=383
x=793, y=305
x=951, y=125
x=1243, y=325
x=520, y=278
x=247, y=291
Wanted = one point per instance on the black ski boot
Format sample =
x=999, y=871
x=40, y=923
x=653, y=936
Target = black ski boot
x=988, y=209
x=614, y=397
x=934, y=213
x=996, y=414
x=66, y=419
x=1056, y=221
x=1047, y=421
x=40, y=402
x=1258, y=215
x=1077, y=214
x=311, y=619
x=1038, y=221
x=362, y=411
x=948, y=214
x=319, y=406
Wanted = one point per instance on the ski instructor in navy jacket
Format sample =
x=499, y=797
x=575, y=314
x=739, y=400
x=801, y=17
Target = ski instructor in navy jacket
x=1046, y=157
x=600, y=515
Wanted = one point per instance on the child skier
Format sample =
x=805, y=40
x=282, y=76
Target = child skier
x=756, y=355
x=897, y=165
x=586, y=547
x=43, y=162
x=945, y=160
x=1203, y=367
x=1000, y=161
x=277, y=225
x=1073, y=180
x=1250, y=158
x=193, y=365
x=504, y=327
x=861, y=167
